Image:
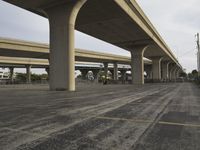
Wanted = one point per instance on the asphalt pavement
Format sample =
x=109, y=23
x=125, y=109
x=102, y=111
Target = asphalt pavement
x=100, y=117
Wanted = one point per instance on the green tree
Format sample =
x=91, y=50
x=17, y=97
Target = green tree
x=183, y=74
x=195, y=74
x=21, y=77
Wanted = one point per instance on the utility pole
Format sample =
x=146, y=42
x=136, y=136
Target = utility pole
x=198, y=54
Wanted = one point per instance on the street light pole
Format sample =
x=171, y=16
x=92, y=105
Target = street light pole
x=198, y=54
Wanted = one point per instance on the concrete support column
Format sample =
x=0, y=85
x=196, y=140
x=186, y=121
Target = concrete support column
x=165, y=70
x=178, y=73
x=95, y=73
x=47, y=70
x=156, y=68
x=123, y=76
x=172, y=72
x=137, y=65
x=28, y=74
x=115, y=67
x=148, y=70
x=84, y=73
x=112, y=72
x=62, y=54
x=150, y=74
x=11, y=74
x=105, y=69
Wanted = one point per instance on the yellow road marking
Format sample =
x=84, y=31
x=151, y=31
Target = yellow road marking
x=157, y=104
x=179, y=124
x=150, y=121
x=124, y=119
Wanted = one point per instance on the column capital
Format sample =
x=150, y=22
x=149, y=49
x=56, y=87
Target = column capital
x=67, y=10
x=139, y=49
x=167, y=62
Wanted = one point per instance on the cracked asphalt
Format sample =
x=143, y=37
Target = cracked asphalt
x=100, y=117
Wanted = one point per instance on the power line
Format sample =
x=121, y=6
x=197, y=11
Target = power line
x=187, y=52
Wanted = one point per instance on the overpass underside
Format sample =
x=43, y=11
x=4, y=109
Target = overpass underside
x=119, y=22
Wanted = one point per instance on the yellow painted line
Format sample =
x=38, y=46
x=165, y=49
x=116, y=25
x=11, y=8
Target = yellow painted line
x=123, y=119
x=150, y=121
x=179, y=124
x=157, y=104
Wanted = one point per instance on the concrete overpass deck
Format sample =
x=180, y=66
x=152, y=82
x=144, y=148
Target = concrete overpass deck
x=122, y=23
x=18, y=62
x=15, y=52
x=39, y=51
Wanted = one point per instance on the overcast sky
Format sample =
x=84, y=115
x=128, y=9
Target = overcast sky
x=176, y=20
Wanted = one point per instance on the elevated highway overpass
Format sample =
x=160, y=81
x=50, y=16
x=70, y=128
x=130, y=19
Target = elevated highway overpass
x=119, y=22
x=27, y=49
x=18, y=53
x=18, y=62
x=84, y=67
